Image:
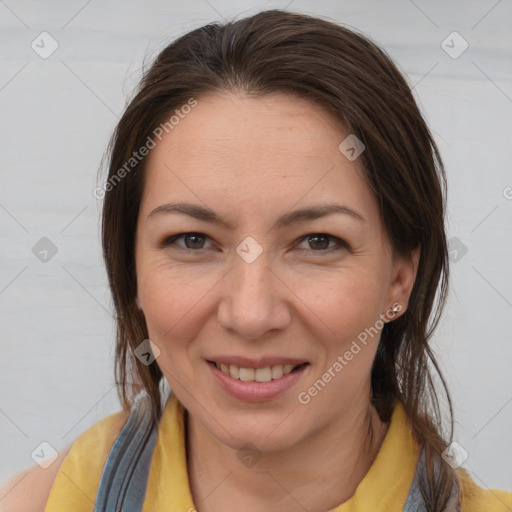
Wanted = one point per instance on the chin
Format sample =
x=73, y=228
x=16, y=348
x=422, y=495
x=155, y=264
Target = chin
x=267, y=432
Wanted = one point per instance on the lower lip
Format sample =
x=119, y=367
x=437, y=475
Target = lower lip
x=252, y=391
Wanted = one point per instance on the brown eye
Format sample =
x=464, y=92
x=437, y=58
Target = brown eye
x=193, y=241
x=319, y=242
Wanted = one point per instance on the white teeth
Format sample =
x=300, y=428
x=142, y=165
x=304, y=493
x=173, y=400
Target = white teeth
x=263, y=374
x=277, y=372
x=246, y=374
x=259, y=375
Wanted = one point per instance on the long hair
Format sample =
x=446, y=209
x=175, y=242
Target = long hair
x=278, y=51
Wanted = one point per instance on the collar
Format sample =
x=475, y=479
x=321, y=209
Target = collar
x=385, y=487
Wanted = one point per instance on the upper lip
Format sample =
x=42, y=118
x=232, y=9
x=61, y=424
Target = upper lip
x=261, y=362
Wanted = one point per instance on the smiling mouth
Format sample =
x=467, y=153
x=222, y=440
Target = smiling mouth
x=266, y=374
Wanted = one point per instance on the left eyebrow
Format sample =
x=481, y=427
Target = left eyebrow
x=205, y=214
x=315, y=212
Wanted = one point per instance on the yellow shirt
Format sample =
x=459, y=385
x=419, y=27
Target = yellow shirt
x=384, y=488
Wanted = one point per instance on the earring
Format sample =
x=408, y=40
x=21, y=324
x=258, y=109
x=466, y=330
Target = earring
x=392, y=311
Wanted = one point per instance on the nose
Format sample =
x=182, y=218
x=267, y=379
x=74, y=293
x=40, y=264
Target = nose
x=254, y=299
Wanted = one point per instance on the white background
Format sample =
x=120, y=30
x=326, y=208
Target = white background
x=56, y=367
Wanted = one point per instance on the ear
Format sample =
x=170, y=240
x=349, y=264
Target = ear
x=405, y=268
x=137, y=301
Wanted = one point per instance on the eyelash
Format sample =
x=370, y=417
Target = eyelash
x=341, y=243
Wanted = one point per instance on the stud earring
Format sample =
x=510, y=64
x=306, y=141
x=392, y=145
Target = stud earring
x=396, y=307
x=392, y=311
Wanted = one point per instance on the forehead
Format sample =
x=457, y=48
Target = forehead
x=236, y=129
x=266, y=152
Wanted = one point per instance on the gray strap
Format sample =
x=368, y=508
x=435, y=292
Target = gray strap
x=415, y=501
x=125, y=474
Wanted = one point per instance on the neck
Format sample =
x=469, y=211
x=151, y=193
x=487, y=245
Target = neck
x=318, y=474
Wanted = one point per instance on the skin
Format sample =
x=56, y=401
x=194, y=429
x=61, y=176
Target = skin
x=29, y=490
x=252, y=160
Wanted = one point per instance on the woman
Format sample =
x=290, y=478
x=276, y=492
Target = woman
x=274, y=224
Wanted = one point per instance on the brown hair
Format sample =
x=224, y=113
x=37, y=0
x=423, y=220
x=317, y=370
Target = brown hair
x=278, y=51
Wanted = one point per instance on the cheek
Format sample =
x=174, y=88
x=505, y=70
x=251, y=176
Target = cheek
x=346, y=353
x=173, y=301
x=344, y=302
x=165, y=304
x=347, y=306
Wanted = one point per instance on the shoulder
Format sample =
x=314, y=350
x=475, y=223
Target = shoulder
x=477, y=499
x=73, y=477
x=76, y=483
x=98, y=438
x=29, y=490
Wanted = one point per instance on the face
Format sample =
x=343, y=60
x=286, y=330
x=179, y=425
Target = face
x=263, y=269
